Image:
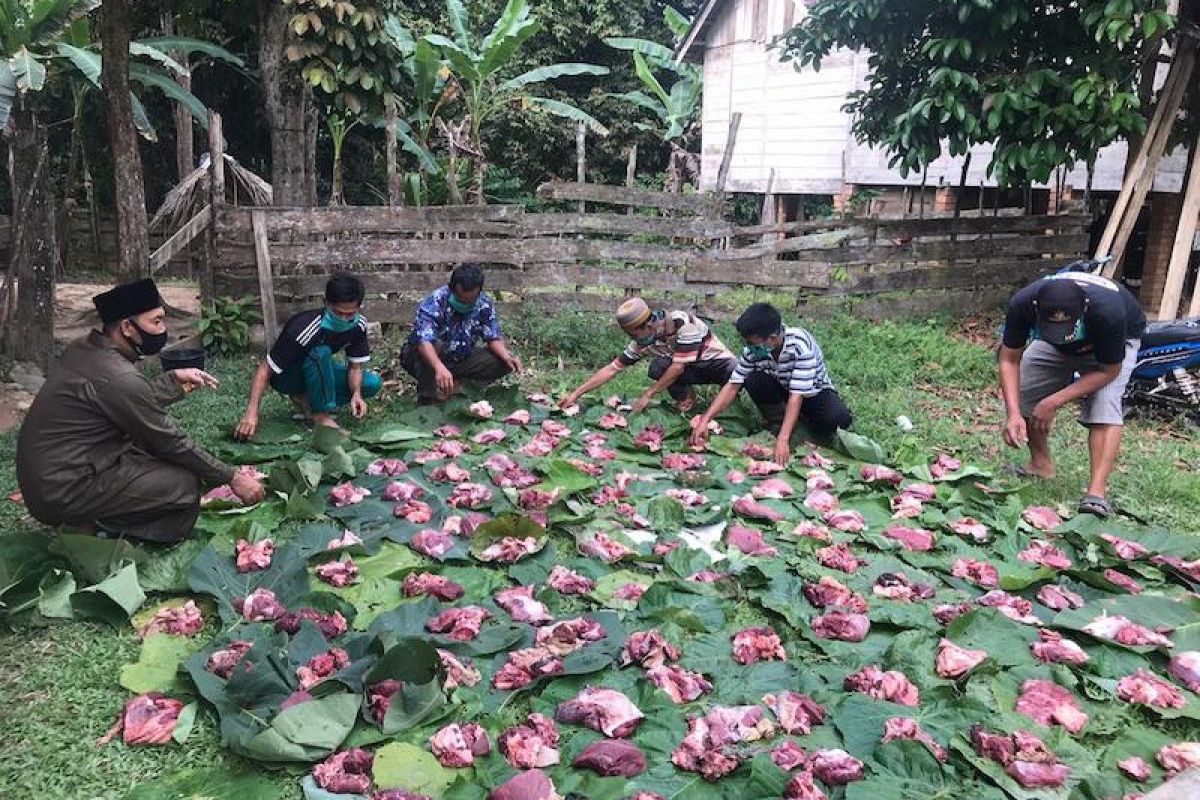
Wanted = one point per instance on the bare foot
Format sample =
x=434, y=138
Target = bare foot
x=326, y=420
x=1038, y=469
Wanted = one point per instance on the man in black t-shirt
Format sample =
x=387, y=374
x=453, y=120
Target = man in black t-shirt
x=301, y=366
x=1080, y=324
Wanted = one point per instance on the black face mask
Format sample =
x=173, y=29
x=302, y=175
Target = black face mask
x=151, y=344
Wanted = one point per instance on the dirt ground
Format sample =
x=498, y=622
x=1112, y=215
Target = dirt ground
x=74, y=316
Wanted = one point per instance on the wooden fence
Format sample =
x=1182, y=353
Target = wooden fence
x=675, y=248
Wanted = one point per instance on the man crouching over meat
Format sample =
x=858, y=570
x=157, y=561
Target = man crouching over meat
x=98, y=451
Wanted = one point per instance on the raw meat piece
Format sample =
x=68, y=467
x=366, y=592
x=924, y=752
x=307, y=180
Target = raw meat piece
x=447, y=432
x=920, y=491
x=432, y=543
x=402, y=491
x=707, y=576
x=898, y=728
x=331, y=625
x=751, y=645
x=1038, y=775
x=946, y=613
x=261, y=605
x=1018, y=609
x=1052, y=648
x=756, y=451
x=612, y=759
x=998, y=747
x=846, y=520
x=892, y=685
x=608, y=495
x=415, y=511
x=841, y=626
x=499, y=462
x=347, y=772
x=836, y=767
x=1191, y=569
x=648, y=649
x=537, y=498
x=569, y=635
x=689, y=497
x=628, y=511
x=1124, y=581
x=566, y=581
x=469, y=495
x=801, y=787
x=347, y=539
x=458, y=673
x=146, y=719
x=541, y=445
x=815, y=459
x=811, y=530
x=1124, y=548
x=1047, y=703
x=735, y=476
x=666, y=548
x=219, y=494
x=338, y=573
x=347, y=494
x=917, y=539
x=1185, y=668
x=747, y=506
x=612, y=420
x=184, y=620
x=1135, y=768
x=1044, y=554
x=605, y=548
x=612, y=401
x=971, y=527
x=1025, y=758
x=1176, y=758
x=509, y=549
x=797, y=713
x=460, y=624
x=458, y=746
x=945, y=465
x=254, y=556
x=877, y=473
x=515, y=477
x=905, y=506
x=555, y=428
x=954, y=661
x=379, y=697
x=1041, y=517
x=759, y=469
x=532, y=744
x=387, y=466
x=1120, y=630
x=733, y=724
x=522, y=607
x=681, y=685
x=704, y=749
x=1148, y=689
x=1058, y=597
x=775, y=489
x=650, y=438
x=603, y=710
x=816, y=480
x=789, y=756
x=450, y=473
x=417, y=584
x=749, y=540
x=838, y=556
x=831, y=592
x=523, y=667
x=623, y=479
x=530, y=785
x=897, y=586
x=321, y=666
x=820, y=501
x=683, y=461
x=519, y=417
x=980, y=573
x=482, y=408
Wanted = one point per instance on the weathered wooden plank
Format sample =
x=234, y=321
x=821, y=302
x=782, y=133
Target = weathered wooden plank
x=761, y=272
x=1064, y=223
x=699, y=204
x=998, y=273
x=375, y=219
x=180, y=239
x=595, y=222
x=262, y=253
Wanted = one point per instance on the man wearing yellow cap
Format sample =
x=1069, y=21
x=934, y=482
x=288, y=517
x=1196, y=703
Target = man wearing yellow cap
x=684, y=350
x=98, y=450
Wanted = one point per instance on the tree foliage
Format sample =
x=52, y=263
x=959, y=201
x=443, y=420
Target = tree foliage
x=1047, y=83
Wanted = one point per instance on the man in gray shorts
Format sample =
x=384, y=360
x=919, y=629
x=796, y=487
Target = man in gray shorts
x=1080, y=325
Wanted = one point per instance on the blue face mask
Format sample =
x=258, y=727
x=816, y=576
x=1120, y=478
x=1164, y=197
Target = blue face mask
x=332, y=322
x=757, y=352
x=459, y=305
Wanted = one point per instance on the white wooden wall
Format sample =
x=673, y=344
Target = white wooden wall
x=792, y=120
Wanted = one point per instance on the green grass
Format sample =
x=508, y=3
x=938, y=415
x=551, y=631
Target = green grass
x=58, y=684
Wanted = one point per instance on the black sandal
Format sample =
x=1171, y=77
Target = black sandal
x=1095, y=505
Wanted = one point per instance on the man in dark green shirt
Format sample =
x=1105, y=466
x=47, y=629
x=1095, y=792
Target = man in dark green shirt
x=97, y=449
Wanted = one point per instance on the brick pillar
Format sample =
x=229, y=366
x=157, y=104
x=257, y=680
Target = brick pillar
x=841, y=200
x=945, y=200
x=1160, y=236
x=1061, y=201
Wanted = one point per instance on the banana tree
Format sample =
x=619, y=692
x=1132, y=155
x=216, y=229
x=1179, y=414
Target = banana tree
x=478, y=67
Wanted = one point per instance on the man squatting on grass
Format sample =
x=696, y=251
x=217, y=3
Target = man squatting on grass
x=441, y=350
x=784, y=371
x=1081, y=324
x=301, y=366
x=685, y=353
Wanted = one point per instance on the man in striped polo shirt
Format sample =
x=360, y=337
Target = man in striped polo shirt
x=685, y=353
x=784, y=372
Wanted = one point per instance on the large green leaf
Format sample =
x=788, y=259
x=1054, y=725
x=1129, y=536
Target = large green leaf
x=28, y=70
x=216, y=575
x=405, y=766
x=507, y=526
x=560, y=109
x=566, y=478
x=113, y=600
x=549, y=73
x=158, y=664
x=512, y=28
x=188, y=46
x=307, y=731
x=54, y=594
x=8, y=92
x=659, y=55
x=205, y=783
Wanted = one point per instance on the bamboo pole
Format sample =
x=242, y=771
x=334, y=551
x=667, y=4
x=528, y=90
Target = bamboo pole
x=1181, y=251
x=735, y=122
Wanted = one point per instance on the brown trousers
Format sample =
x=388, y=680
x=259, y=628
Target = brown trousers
x=481, y=366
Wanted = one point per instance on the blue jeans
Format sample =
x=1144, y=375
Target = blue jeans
x=323, y=381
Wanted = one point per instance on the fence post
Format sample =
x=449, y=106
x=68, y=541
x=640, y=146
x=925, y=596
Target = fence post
x=581, y=159
x=266, y=288
x=394, y=191
x=216, y=201
x=735, y=122
x=631, y=172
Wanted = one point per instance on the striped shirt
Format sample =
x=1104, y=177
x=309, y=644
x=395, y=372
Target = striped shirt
x=685, y=339
x=800, y=366
x=304, y=331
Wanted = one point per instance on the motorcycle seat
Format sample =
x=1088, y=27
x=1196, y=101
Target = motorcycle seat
x=1175, y=331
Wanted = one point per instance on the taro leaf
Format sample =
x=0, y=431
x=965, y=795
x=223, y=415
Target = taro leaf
x=214, y=782
x=307, y=731
x=1152, y=611
x=390, y=435
x=480, y=584
x=416, y=664
x=915, y=653
x=610, y=583
x=784, y=596
x=301, y=505
x=740, y=685
x=157, y=667
x=859, y=447
x=517, y=526
x=250, y=453
x=1137, y=741
x=337, y=464
x=691, y=613
x=1005, y=641
x=941, y=713
x=902, y=770
x=997, y=775
x=167, y=570
x=216, y=575
x=113, y=600
x=25, y=557
x=666, y=514
x=92, y=559
x=268, y=514
x=54, y=594
x=313, y=792
x=375, y=591
x=406, y=619
x=291, y=475
x=400, y=765
x=184, y=724
x=577, y=783
x=566, y=478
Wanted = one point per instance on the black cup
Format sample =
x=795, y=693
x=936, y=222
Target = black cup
x=182, y=358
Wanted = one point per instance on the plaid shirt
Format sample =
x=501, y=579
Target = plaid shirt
x=452, y=333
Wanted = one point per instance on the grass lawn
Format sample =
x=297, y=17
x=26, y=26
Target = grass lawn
x=58, y=684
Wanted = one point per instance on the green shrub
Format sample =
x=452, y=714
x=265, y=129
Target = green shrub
x=225, y=324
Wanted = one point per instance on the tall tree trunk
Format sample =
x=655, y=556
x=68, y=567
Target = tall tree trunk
x=133, y=238
x=185, y=140
x=288, y=105
x=395, y=191
x=35, y=249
